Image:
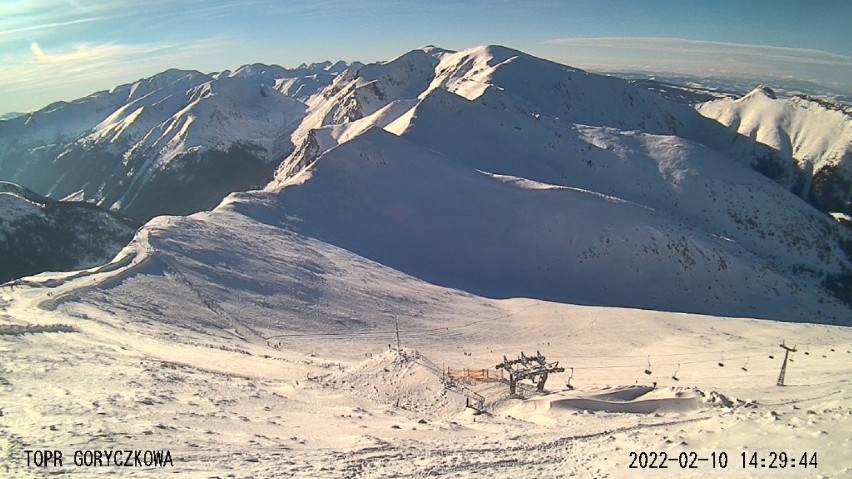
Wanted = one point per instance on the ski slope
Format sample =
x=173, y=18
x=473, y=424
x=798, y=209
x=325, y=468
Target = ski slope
x=326, y=398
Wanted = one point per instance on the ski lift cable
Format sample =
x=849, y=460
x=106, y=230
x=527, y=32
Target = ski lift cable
x=420, y=333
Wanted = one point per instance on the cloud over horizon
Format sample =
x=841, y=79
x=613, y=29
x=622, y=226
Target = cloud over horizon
x=681, y=55
x=61, y=49
x=76, y=67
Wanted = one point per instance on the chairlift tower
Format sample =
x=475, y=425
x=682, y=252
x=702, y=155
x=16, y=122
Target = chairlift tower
x=787, y=351
x=535, y=368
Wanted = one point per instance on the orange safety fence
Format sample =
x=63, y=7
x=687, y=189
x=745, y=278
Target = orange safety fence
x=478, y=374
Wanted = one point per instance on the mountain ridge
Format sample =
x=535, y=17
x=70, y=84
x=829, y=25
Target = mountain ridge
x=40, y=234
x=667, y=211
x=112, y=146
x=813, y=139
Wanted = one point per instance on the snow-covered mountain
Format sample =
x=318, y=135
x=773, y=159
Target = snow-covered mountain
x=378, y=94
x=688, y=94
x=813, y=139
x=468, y=207
x=175, y=143
x=10, y=115
x=503, y=175
x=39, y=234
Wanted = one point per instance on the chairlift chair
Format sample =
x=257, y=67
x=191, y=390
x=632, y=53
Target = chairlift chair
x=568, y=384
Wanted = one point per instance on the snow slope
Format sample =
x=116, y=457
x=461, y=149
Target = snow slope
x=153, y=363
x=686, y=92
x=527, y=118
x=409, y=208
x=813, y=139
x=694, y=184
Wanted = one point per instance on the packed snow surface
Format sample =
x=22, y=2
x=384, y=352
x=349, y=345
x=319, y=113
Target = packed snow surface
x=335, y=401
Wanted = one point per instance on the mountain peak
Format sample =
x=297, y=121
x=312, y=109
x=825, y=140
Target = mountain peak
x=762, y=90
x=498, y=53
x=433, y=50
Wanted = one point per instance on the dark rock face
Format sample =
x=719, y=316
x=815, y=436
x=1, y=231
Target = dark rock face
x=831, y=190
x=65, y=235
x=199, y=182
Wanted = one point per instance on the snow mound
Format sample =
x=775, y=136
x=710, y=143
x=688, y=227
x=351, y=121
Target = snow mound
x=621, y=399
x=633, y=399
x=403, y=379
x=715, y=398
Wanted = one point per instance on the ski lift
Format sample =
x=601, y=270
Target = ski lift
x=771, y=356
x=674, y=376
x=785, y=347
x=568, y=384
x=722, y=360
x=648, y=369
x=808, y=351
x=745, y=366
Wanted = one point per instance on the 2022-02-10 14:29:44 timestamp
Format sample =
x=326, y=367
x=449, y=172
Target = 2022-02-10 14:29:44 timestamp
x=779, y=460
x=720, y=460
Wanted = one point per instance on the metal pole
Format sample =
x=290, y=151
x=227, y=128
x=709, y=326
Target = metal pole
x=397, y=333
x=787, y=351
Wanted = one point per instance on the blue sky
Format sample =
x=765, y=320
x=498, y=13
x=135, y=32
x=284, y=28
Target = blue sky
x=64, y=49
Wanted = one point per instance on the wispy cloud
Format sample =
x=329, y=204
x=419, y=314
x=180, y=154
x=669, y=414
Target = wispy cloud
x=29, y=17
x=700, y=47
x=51, y=17
x=85, y=68
x=703, y=58
x=63, y=49
x=82, y=54
x=44, y=26
x=332, y=7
